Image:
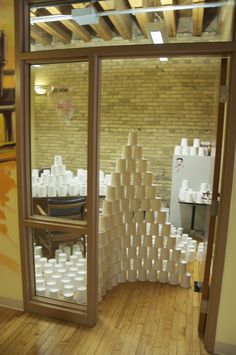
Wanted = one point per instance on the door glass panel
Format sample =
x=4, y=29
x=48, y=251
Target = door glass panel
x=60, y=265
x=120, y=22
x=59, y=123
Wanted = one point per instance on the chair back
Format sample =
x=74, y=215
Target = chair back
x=73, y=208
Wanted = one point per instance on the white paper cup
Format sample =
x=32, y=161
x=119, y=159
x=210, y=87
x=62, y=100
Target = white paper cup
x=151, y=192
x=137, y=264
x=153, y=252
x=178, y=150
x=124, y=205
x=147, y=240
x=154, y=229
x=130, y=165
x=126, y=179
x=54, y=292
x=132, y=275
x=193, y=151
x=139, y=217
x=149, y=217
x=121, y=165
x=134, y=204
x=137, y=179
x=163, y=276
x=166, y=229
x=131, y=228
x=145, y=204
x=171, y=242
x=184, y=142
x=159, y=241
x=127, y=152
x=122, y=277
x=41, y=291
x=133, y=138
x=201, y=151
x=137, y=240
x=81, y=296
x=141, y=229
x=162, y=216
x=158, y=265
x=182, y=266
x=142, y=275
x=142, y=252
x=147, y=264
x=152, y=276
x=147, y=178
x=196, y=142
x=115, y=179
x=171, y=266
x=110, y=193
x=165, y=254
x=137, y=152
x=174, y=278
x=120, y=192
x=140, y=192
x=141, y=165
x=132, y=253
x=185, y=280
x=129, y=192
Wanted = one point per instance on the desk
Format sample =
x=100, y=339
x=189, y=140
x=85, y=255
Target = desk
x=194, y=205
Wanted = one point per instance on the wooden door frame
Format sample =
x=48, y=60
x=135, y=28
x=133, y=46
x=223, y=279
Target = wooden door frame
x=95, y=54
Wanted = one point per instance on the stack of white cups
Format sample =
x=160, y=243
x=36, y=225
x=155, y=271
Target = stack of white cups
x=63, y=277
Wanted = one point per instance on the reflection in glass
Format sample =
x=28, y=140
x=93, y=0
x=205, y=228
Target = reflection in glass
x=59, y=115
x=60, y=265
x=119, y=22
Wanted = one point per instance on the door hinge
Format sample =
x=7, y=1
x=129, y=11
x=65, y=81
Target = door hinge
x=204, y=307
x=224, y=93
x=214, y=208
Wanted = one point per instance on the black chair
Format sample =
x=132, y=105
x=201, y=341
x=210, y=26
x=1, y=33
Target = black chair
x=70, y=207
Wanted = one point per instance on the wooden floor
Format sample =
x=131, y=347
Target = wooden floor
x=135, y=318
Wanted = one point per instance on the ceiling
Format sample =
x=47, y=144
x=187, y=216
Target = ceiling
x=195, y=23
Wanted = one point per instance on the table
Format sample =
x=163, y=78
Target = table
x=194, y=205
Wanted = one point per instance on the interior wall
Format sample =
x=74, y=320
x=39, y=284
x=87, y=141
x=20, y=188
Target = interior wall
x=226, y=324
x=163, y=100
x=10, y=269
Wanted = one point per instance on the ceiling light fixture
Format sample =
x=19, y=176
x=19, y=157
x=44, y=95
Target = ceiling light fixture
x=163, y=59
x=157, y=32
x=84, y=15
x=43, y=89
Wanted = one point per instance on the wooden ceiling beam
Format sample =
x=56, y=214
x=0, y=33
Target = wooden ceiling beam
x=198, y=15
x=74, y=27
x=40, y=35
x=54, y=29
x=101, y=28
x=123, y=23
x=145, y=18
x=170, y=18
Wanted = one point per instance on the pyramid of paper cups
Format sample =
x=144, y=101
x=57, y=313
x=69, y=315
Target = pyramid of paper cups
x=135, y=240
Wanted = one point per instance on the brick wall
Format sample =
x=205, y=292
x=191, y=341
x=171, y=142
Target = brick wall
x=164, y=101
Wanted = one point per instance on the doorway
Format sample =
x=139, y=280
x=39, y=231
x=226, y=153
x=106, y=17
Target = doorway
x=162, y=101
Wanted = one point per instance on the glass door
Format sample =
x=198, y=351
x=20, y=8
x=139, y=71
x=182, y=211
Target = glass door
x=58, y=175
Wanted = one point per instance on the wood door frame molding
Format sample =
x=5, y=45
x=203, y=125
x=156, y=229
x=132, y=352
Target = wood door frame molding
x=95, y=55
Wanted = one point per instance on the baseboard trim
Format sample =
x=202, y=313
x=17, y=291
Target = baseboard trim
x=11, y=303
x=225, y=349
